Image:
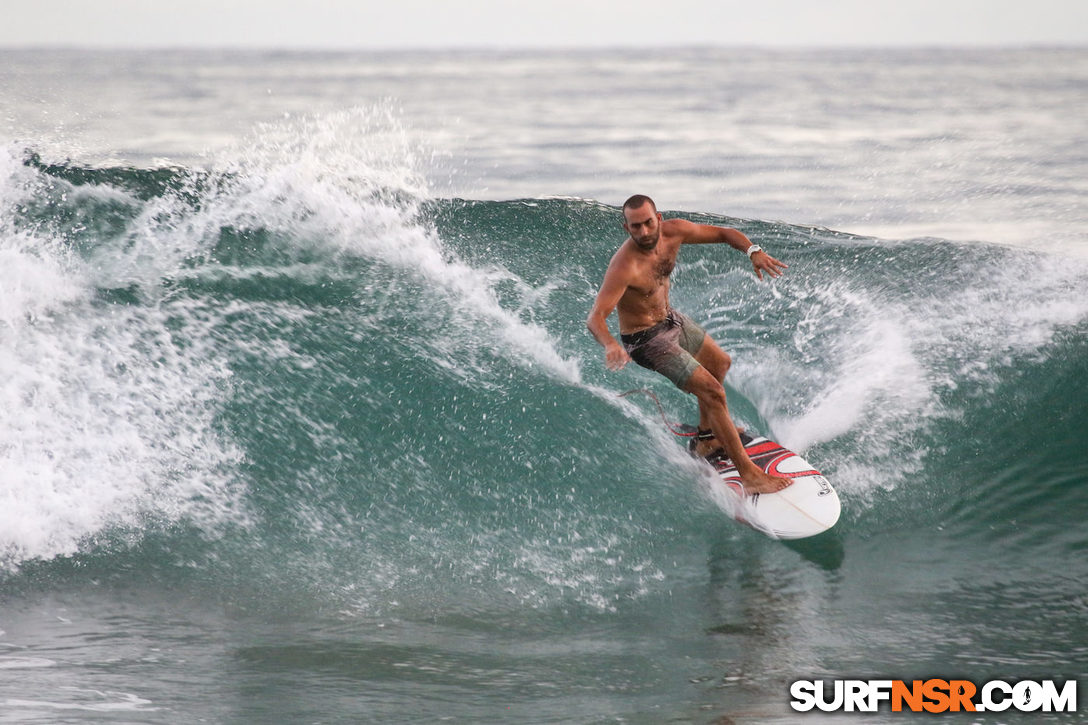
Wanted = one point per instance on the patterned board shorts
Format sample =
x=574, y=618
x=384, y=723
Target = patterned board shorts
x=668, y=347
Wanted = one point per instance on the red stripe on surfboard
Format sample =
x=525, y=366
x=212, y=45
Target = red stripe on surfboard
x=771, y=467
x=765, y=447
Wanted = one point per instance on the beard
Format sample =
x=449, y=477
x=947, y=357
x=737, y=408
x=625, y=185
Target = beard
x=647, y=242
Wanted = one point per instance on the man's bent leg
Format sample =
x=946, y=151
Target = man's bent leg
x=717, y=363
x=713, y=358
x=711, y=397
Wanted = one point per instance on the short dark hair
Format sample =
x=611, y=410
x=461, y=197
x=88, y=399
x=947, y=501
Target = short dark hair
x=638, y=200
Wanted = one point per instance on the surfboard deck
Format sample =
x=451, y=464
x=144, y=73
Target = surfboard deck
x=809, y=506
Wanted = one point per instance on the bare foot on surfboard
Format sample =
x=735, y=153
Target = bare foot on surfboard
x=759, y=482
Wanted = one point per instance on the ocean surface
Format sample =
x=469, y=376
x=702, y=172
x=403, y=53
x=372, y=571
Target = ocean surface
x=301, y=422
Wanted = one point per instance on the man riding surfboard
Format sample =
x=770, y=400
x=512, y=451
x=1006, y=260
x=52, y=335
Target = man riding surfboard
x=636, y=285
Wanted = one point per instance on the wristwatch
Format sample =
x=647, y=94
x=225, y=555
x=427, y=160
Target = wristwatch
x=753, y=249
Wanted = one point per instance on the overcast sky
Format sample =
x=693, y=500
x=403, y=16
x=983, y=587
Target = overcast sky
x=370, y=24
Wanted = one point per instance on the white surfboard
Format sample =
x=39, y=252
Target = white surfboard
x=807, y=507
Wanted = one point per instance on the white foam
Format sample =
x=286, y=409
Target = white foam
x=107, y=421
x=85, y=700
x=25, y=663
x=348, y=182
x=872, y=370
x=1014, y=310
x=852, y=376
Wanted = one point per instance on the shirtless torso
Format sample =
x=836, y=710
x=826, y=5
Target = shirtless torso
x=647, y=273
x=636, y=283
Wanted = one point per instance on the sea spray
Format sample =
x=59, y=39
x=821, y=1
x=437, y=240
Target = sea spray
x=109, y=423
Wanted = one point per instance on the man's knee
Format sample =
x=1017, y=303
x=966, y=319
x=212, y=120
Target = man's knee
x=706, y=387
x=726, y=363
x=714, y=359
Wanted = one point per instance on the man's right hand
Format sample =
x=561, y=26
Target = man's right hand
x=615, y=357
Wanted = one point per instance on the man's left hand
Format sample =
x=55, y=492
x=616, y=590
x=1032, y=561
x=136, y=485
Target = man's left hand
x=763, y=262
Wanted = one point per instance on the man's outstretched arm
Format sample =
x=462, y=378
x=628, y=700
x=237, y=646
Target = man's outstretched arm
x=693, y=233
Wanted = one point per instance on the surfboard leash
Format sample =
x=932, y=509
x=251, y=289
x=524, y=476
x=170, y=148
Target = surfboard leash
x=677, y=429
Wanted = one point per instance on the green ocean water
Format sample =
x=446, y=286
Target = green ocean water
x=297, y=443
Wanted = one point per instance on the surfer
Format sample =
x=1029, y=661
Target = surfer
x=655, y=336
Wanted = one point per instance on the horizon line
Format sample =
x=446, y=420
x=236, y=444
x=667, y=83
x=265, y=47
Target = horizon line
x=557, y=47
